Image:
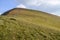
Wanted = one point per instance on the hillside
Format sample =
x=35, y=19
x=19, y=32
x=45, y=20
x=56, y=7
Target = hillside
x=25, y=24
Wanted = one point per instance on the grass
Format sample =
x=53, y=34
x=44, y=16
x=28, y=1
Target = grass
x=23, y=24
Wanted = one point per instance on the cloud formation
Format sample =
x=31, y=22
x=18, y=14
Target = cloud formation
x=0, y=13
x=33, y=2
x=21, y=6
x=56, y=13
x=40, y=2
x=53, y=2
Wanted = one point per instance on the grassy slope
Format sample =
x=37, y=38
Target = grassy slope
x=22, y=24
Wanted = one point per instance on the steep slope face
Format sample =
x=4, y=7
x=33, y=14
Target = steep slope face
x=24, y=24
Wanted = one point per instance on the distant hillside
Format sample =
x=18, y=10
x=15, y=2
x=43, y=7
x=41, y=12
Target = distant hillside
x=22, y=10
x=26, y=24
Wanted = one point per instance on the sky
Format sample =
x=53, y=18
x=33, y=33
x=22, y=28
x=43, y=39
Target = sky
x=50, y=6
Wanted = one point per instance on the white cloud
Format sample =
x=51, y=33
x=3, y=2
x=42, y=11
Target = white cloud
x=0, y=13
x=33, y=2
x=53, y=2
x=39, y=2
x=21, y=6
x=56, y=13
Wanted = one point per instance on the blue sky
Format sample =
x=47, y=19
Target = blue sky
x=50, y=6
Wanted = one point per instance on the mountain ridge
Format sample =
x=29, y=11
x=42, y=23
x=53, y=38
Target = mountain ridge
x=28, y=10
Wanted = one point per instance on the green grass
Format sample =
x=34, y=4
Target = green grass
x=23, y=24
